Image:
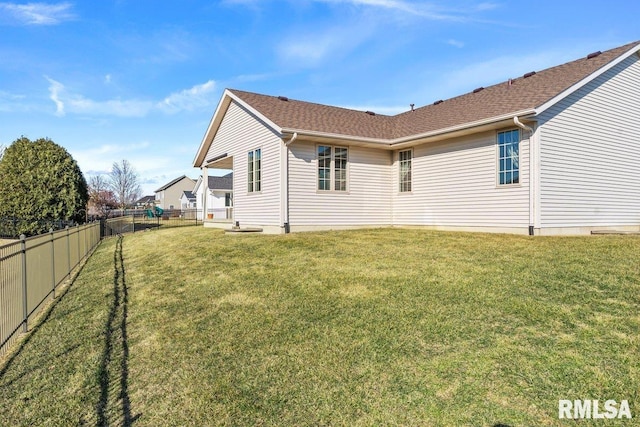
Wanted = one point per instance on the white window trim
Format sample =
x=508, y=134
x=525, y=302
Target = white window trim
x=253, y=180
x=399, y=187
x=497, y=175
x=332, y=170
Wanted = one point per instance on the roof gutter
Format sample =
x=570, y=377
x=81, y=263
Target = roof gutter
x=411, y=139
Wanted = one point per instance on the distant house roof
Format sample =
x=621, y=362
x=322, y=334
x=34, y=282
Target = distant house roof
x=221, y=182
x=189, y=195
x=145, y=199
x=169, y=184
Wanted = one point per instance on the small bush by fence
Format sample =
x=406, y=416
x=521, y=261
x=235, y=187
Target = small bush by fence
x=10, y=227
x=32, y=269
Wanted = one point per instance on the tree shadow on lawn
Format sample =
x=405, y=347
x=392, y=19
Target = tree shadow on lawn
x=114, y=402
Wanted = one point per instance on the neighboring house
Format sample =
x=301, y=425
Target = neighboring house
x=144, y=202
x=187, y=200
x=168, y=196
x=552, y=152
x=219, y=202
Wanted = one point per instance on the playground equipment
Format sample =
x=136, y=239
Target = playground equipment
x=156, y=212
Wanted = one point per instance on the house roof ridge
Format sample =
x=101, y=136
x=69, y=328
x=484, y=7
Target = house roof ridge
x=514, y=80
x=170, y=183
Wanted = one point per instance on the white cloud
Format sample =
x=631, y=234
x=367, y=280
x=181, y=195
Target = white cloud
x=314, y=48
x=191, y=99
x=12, y=102
x=199, y=96
x=487, y=6
x=54, y=94
x=455, y=43
x=428, y=10
x=36, y=13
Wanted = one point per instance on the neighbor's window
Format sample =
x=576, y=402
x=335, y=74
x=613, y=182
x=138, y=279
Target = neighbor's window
x=509, y=157
x=332, y=166
x=404, y=158
x=254, y=171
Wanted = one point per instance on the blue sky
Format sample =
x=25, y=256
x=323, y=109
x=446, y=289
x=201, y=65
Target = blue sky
x=139, y=80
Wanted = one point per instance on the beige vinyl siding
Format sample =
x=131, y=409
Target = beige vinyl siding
x=367, y=200
x=240, y=132
x=590, y=153
x=171, y=196
x=455, y=185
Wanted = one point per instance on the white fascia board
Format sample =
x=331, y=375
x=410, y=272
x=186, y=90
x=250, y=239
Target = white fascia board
x=411, y=139
x=221, y=110
x=336, y=136
x=215, y=121
x=461, y=127
x=542, y=108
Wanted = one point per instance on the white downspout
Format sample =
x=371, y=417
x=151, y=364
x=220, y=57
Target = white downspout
x=533, y=165
x=287, y=225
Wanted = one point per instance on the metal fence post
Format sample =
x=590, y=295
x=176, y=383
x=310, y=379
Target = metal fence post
x=53, y=264
x=25, y=309
x=78, y=231
x=68, y=252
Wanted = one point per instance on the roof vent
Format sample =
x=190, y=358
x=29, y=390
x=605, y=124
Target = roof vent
x=529, y=74
x=439, y=101
x=594, y=54
x=478, y=89
x=283, y=98
x=371, y=113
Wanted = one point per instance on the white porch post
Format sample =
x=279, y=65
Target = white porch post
x=205, y=191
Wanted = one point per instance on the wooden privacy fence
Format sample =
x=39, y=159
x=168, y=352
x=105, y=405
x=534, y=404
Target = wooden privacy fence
x=31, y=270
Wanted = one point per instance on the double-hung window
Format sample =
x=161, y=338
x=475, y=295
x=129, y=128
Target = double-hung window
x=332, y=168
x=254, y=171
x=404, y=161
x=509, y=157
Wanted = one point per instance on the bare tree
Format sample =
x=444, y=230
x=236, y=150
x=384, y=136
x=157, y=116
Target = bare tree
x=101, y=197
x=124, y=183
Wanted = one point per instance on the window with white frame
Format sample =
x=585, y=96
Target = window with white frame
x=332, y=167
x=404, y=162
x=254, y=171
x=509, y=157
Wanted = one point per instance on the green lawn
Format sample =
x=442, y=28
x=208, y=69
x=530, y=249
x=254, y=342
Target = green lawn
x=189, y=326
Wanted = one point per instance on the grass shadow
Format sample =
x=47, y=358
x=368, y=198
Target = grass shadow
x=113, y=372
x=7, y=360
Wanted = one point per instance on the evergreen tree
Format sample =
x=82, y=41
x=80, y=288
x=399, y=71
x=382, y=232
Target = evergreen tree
x=40, y=184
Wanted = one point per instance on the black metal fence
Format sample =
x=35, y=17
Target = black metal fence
x=141, y=220
x=33, y=268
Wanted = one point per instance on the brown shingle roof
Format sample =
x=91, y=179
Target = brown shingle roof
x=317, y=117
x=497, y=100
